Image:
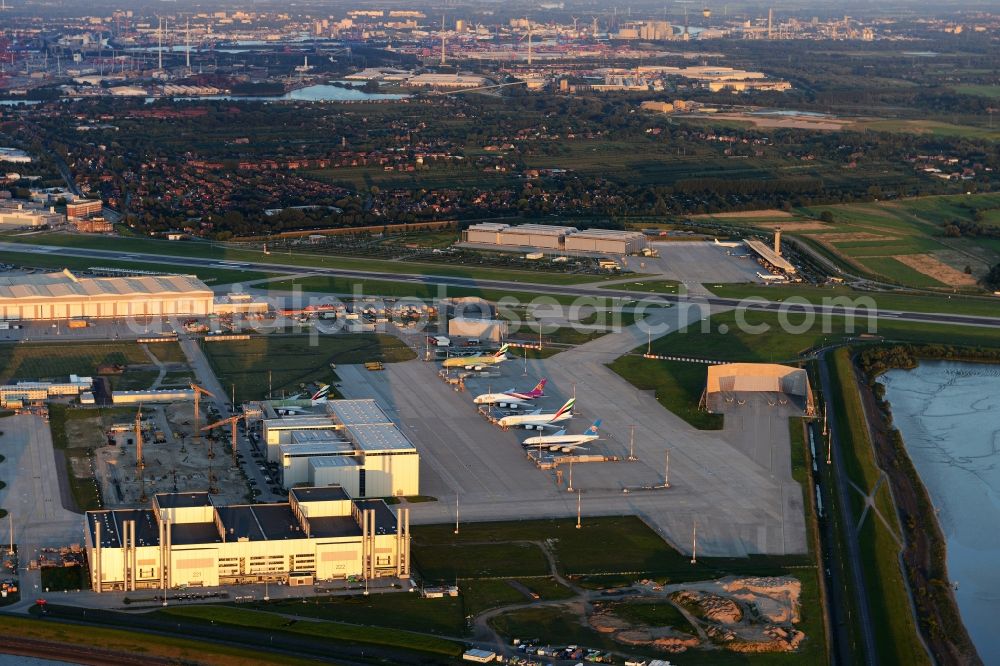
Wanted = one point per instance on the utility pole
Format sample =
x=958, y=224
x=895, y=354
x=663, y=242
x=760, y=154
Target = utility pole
x=631, y=443
x=578, y=509
x=569, y=488
x=456, y=514
x=666, y=469
x=694, y=543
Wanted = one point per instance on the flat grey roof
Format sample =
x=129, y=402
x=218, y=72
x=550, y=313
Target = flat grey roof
x=182, y=500
x=320, y=494
x=348, y=412
x=379, y=437
x=324, y=448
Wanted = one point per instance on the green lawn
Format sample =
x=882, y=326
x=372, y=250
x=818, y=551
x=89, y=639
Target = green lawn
x=56, y=261
x=679, y=385
x=647, y=286
x=988, y=91
x=37, y=360
x=173, y=648
x=897, y=641
x=58, y=579
x=333, y=631
x=652, y=614
x=206, y=250
x=406, y=611
x=292, y=360
x=986, y=306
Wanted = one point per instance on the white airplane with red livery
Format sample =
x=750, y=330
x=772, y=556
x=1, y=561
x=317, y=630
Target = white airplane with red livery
x=512, y=397
x=536, y=420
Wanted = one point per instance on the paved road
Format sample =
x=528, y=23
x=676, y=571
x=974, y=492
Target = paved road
x=572, y=290
x=849, y=538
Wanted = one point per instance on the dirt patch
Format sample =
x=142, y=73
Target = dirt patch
x=849, y=237
x=747, y=214
x=82, y=469
x=788, y=122
x=933, y=267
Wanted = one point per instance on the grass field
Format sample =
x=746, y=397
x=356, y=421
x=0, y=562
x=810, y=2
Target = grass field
x=990, y=92
x=985, y=306
x=869, y=236
x=678, y=385
x=930, y=127
x=56, y=261
x=648, y=286
x=175, y=648
x=409, y=612
x=288, y=361
x=58, y=361
x=332, y=631
x=206, y=250
x=410, y=288
x=897, y=641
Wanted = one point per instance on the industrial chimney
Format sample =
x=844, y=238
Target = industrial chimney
x=777, y=241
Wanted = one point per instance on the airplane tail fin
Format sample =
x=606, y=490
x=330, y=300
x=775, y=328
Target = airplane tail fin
x=501, y=351
x=321, y=394
x=592, y=430
x=567, y=407
x=539, y=389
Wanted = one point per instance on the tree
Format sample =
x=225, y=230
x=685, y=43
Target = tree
x=992, y=279
x=826, y=216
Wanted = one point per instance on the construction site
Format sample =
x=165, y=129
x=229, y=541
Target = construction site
x=161, y=449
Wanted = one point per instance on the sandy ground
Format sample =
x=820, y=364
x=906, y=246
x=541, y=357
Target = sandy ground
x=848, y=237
x=933, y=267
x=747, y=214
x=787, y=122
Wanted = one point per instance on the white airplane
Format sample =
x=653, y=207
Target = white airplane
x=295, y=406
x=561, y=441
x=537, y=420
x=477, y=360
x=512, y=397
x=727, y=243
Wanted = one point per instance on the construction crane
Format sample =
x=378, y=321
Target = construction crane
x=198, y=392
x=232, y=421
x=140, y=464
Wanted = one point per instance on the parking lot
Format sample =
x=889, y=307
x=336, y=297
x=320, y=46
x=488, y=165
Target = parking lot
x=741, y=506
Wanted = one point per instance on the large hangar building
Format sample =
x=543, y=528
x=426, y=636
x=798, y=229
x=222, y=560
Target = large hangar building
x=63, y=295
x=547, y=237
x=350, y=443
x=185, y=540
x=727, y=381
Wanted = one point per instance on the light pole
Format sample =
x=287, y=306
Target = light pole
x=578, y=509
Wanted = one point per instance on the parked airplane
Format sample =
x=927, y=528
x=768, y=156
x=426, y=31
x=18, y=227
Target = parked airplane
x=298, y=406
x=512, y=397
x=727, y=243
x=561, y=441
x=537, y=420
x=477, y=360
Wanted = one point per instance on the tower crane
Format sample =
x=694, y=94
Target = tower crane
x=232, y=421
x=198, y=392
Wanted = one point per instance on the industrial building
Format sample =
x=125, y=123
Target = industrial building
x=23, y=393
x=64, y=295
x=727, y=379
x=151, y=395
x=185, y=540
x=83, y=208
x=350, y=443
x=493, y=330
x=20, y=217
x=769, y=256
x=556, y=238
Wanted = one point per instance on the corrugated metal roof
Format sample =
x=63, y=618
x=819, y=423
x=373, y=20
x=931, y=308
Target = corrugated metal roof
x=66, y=285
x=374, y=437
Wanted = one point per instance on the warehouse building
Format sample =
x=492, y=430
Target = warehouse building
x=546, y=237
x=64, y=295
x=23, y=393
x=184, y=540
x=606, y=241
x=19, y=217
x=362, y=449
x=151, y=395
x=493, y=330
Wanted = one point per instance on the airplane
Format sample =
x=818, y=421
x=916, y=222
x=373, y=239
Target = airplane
x=727, y=243
x=561, y=441
x=512, y=397
x=296, y=407
x=477, y=360
x=537, y=420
